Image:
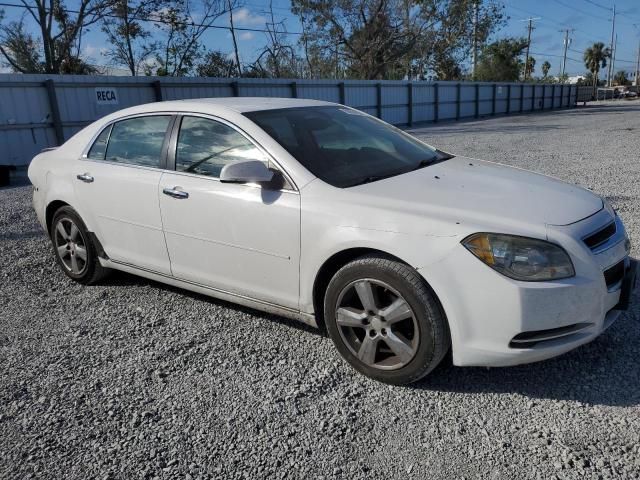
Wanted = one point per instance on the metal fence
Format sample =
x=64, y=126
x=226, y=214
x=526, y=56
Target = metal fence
x=40, y=111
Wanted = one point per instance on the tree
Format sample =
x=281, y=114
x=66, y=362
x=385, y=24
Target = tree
x=233, y=37
x=182, y=29
x=369, y=37
x=595, y=58
x=278, y=58
x=127, y=37
x=319, y=61
x=621, y=78
x=20, y=49
x=546, y=66
x=375, y=39
x=216, y=64
x=445, y=46
x=529, y=68
x=60, y=32
x=500, y=60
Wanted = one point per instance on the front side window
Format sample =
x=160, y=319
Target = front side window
x=205, y=146
x=342, y=146
x=137, y=141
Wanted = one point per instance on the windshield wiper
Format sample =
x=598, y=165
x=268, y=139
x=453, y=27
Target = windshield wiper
x=374, y=178
x=424, y=163
x=441, y=157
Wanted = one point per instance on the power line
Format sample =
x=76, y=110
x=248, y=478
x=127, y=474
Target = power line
x=554, y=55
x=162, y=22
x=574, y=9
x=560, y=24
x=598, y=5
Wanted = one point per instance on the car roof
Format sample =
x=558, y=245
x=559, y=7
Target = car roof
x=235, y=104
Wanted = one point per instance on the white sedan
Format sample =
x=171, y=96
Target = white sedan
x=323, y=213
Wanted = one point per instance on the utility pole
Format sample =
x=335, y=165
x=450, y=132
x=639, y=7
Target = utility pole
x=530, y=28
x=233, y=36
x=564, y=56
x=638, y=69
x=407, y=10
x=613, y=29
x=475, y=39
x=613, y=60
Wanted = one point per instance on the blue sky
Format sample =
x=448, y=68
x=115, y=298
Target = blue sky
x=590, y=19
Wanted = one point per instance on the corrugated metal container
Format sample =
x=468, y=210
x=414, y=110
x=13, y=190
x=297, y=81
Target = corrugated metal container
x=39, y=111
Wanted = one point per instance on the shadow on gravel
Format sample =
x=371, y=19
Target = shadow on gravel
x=604, y=372
x=22, y=235
x=598, y=109
x=123, y=279
x=16, y=183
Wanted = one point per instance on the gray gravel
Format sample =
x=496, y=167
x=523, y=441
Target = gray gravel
x=133, y=379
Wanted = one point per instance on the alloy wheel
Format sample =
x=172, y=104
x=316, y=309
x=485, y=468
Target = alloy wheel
x=71, y=246
x=377, y=324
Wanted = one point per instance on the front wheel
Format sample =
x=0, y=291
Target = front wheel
x=385, y=321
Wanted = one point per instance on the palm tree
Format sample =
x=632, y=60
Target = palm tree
x=621, y=78
x=529, y=67
x=595, y=57
x=546, y=66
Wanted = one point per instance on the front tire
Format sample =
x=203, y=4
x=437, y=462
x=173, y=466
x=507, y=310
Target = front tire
x=385, y=321
x=74, y=248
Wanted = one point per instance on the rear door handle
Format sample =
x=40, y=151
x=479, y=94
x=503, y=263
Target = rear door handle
x=175, y=192
x=85, y=177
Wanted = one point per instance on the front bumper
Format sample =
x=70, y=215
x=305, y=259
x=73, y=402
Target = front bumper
x=488, y=311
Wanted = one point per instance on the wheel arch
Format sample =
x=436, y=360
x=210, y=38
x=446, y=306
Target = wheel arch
x=338, y=260
x=50, y=211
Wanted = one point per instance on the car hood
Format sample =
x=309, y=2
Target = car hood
x=464, y=189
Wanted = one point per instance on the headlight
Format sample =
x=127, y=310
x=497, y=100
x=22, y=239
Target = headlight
x=521, y=258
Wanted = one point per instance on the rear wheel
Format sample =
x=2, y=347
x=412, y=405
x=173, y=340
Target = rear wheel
x=385, y=321
x=74, y=249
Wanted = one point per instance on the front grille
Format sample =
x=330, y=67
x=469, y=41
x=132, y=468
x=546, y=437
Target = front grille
x=613, y=275
x=596, y=239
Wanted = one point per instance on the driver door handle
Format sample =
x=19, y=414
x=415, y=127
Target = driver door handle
x=175, y=192
x=85, y=177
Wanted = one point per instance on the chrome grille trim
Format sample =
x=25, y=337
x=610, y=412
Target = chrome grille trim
x=532, y=338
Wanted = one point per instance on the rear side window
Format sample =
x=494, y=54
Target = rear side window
x=205, y=146
x=136, y=141
x=99, y=147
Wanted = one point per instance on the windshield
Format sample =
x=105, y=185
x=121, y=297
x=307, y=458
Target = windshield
x=342, y=146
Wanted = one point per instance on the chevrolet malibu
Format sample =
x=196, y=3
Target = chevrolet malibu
x=323, y=213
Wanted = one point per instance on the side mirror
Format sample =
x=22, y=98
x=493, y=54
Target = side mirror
x=246, y=171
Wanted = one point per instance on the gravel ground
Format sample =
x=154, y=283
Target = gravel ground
x=133, y=379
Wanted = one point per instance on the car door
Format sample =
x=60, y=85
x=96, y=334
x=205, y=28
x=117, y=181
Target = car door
x=117, y=188
x=239, y=238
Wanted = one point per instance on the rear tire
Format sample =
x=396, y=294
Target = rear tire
x=385, y=320
x=74, y=248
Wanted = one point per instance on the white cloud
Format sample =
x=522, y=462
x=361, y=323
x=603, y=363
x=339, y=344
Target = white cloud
x=91, y=51
x=245, y=17
x=246, y=36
